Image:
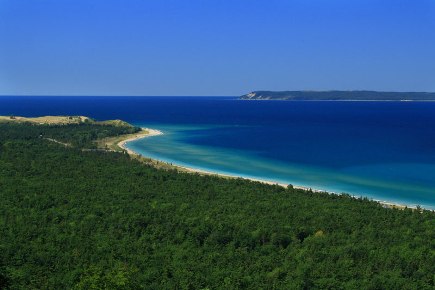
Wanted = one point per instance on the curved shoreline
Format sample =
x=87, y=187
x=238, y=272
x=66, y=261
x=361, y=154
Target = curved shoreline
x=146, y=133
x=154, y=132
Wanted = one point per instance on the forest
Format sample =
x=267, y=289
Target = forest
x=75, y=219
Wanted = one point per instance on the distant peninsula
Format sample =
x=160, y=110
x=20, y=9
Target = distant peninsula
x=339, y=96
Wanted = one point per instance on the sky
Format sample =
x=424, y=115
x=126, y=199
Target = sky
x=214, y=47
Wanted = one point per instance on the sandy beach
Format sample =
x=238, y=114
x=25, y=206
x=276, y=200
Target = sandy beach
x=145, y=133
x=148, y=132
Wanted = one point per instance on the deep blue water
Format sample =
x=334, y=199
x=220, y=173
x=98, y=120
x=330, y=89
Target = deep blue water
x=383, y=150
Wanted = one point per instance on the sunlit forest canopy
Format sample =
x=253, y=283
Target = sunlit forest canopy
x=75, y=219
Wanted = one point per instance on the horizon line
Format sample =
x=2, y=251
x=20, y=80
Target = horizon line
x=196, y=95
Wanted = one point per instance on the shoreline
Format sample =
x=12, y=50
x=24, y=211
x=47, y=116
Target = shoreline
x=146, y=133
x=154, y=132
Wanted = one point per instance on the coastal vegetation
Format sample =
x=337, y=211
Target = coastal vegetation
x=80, y=135
x=91, y=219
x=339, y=96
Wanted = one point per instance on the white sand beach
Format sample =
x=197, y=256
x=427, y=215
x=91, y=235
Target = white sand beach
x=148, y=132
x=145, y=133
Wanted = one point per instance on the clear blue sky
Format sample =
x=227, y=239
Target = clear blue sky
x=211, y=47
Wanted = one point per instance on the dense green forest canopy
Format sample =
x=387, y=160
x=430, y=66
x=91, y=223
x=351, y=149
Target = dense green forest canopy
x=80, y=135
x=339, y=96
x=74, y=219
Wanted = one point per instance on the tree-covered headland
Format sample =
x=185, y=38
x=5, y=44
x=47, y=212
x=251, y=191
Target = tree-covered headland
x=88, y=219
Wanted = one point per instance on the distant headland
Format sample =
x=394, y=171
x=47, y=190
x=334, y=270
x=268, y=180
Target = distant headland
x=339, y=96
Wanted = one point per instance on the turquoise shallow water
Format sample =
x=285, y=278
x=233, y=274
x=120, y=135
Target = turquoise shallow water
x=382, y=150
x=355, y=180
